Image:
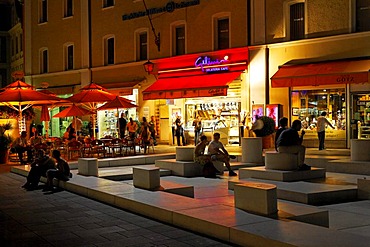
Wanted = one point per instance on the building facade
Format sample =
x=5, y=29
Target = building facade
x=108, y=42
x=238, y=49
x=315, y=57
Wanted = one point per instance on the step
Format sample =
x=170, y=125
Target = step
x=278, y=175
x=122, y=173
x=180, y=168
x=307, y=192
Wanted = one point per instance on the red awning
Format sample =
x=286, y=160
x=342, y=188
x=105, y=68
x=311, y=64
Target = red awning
x=322, y=73
x=190, y=86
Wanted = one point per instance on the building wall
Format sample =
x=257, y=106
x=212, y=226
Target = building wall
x=322, y=18
x=198, y=19
x=53, y=35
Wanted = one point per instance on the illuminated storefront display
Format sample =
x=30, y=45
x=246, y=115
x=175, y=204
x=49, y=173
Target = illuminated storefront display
x=308, y=104
x=210, y=86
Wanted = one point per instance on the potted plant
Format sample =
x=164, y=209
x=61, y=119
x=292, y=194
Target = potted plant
x=265, y=127
x=5, y=142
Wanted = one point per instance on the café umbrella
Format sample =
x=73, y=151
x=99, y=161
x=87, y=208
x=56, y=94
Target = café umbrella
x=117, y=103
x=20, y=96
x=73, y=111
x=91, y=95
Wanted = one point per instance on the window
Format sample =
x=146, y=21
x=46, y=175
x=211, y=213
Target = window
x=222, y=39
x=21, y=42
x=13, y=47
x=68, y=8
x=362, y=15
x=43, y=10
x=180, y=40
x=109, y=51
x=296, y=21
x=69, y=57
x=108, y=3
x=16, y=45
x=2, y=49
x=308, y=105
x=44, y=61
x=143, y=46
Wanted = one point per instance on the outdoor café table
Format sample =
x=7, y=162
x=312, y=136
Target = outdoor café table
x=106, y=142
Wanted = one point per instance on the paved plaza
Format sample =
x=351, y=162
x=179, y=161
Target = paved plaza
x=109, y=210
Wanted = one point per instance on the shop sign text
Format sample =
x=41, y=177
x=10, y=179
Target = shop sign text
x=205, y=61
x=345, y=79
x=169, y=7
x=216, y=91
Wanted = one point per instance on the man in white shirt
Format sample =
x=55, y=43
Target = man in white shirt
x=321, y=125
x=218, y=152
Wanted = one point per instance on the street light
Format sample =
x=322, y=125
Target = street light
x=149, y=67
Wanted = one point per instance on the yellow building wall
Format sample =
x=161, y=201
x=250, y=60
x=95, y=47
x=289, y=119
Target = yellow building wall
x=322, y=18
x=355, y=45
x=54, y=34
x=198, y=20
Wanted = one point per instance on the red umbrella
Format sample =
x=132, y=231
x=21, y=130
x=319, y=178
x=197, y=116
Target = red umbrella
x=90, y=96
x=117, y=103
x=18, y=94
x=45, y=116
x=73, y=111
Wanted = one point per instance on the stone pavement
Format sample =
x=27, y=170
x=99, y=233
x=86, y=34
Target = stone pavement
x=349, y=222
x=34, y=218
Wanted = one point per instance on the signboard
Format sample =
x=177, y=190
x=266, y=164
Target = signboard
x=18, y=74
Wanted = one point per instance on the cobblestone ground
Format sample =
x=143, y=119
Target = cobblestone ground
x=34, y=218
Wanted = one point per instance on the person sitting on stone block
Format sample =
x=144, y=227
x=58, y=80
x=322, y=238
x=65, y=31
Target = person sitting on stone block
x=218, y=152
x=290, y=142
x=209, y=171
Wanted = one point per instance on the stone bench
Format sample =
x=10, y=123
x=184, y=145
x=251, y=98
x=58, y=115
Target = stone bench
x=255, y=197
x=180, y=168
x=360, y=149
x=281, y=161
x=185, y=153
x=279, y=175
x=146, y=177
x=88, y=167
x=252, y=150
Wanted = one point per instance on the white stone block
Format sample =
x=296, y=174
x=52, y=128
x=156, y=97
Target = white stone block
x=259, y=198
x=360, y=149
x=146, y=177
x=88, y=167
x=185, y=153
x=252, y=150
x=281, y=161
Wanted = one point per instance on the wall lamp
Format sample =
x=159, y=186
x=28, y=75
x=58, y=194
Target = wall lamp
x=149, y=67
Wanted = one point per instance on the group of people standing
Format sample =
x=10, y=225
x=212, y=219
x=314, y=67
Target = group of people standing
x=146, y=132
x=180, y=133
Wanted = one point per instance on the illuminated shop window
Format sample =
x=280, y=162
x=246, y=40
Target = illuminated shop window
x=307, y=106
